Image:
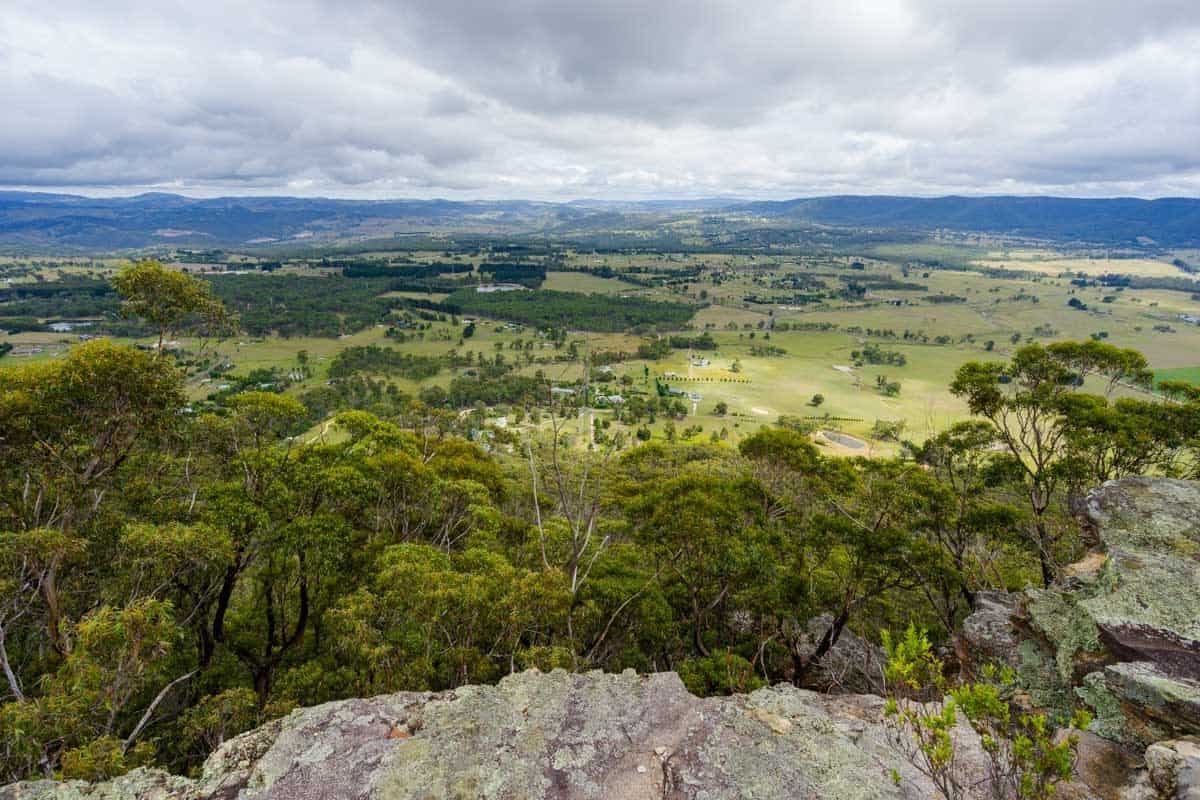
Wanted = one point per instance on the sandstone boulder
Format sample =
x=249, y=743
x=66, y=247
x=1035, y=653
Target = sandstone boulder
x=556, y=735
x=988, y=634
x=852, y=665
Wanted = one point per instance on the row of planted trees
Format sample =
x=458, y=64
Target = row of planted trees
x=168, y=580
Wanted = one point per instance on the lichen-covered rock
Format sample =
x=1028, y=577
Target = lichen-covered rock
x=1121, y=630
x=988, y=633
x=1174, y=769
x=556, y=735
x=141, y=784
x=1155, y=705
x=1150, y=612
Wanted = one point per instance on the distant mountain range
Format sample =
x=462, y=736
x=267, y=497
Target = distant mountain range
x=36, y=221
x=1169, y=222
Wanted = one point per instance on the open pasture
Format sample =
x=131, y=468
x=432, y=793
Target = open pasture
x=791, y=324
x=1051, y=264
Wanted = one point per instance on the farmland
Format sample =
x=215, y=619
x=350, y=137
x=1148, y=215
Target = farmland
x=786, y=334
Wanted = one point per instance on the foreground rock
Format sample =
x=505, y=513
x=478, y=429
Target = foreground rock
x=616, y=737
x=1174, y=768
x=1119, y=633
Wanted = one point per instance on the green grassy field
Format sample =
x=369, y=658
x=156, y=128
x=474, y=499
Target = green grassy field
x=1004, y=311
x=1186, y=374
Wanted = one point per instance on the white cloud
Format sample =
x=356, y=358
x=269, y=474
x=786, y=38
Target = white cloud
x=566, y=98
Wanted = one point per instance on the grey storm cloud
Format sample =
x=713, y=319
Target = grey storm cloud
x=566, y=98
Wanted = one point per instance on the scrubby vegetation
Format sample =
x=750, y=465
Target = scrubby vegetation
x=184, y=564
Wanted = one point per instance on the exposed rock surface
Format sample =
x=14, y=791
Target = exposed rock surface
x=852, y=665
x=1174, y=768
x=1151, y=609
x=1105, y=767
x=556, y=735
x=1121, y=630
x=988, y=632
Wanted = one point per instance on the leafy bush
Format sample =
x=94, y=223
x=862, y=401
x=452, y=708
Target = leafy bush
x=1026, y=759
x=722, y=672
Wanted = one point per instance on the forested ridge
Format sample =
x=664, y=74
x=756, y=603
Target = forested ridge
x=170, y=579
x=31, y=219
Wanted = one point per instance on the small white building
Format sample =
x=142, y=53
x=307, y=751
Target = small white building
x=488, y=288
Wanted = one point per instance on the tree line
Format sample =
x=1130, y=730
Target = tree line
x=546, y=308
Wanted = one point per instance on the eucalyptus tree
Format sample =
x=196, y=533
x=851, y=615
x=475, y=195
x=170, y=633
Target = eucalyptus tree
x=848, y=535
x=169, y=299
x=1034, y=402
x=975, y=518
x=68, y=428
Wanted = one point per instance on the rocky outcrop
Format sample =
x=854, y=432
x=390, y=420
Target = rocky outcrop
x=1150, y=609
x=556, y=735
x=852, y=665
x=988, y=633
x=1119, y=633
x=1121, y=630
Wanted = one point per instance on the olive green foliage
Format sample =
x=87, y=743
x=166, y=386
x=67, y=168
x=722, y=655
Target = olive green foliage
x=720, y=673
x=169, y=299
x=925, y=712
x=1062, y=437
x=168, y=580
x=546, y=308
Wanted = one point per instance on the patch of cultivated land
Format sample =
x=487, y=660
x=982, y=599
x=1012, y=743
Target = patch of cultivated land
x=940, y=337
x=583, y=282
x=435, y=297
x=786, y=384
x=1054, y=265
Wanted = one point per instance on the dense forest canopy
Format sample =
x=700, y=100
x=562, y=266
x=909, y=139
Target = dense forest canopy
x=171, y=578
x=294, y=305
x=545, y=308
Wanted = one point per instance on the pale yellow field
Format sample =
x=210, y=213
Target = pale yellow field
x=435, y=297
x=1051, y=265
x=583, y=282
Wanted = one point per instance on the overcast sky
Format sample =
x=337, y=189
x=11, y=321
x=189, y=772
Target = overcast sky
x=560, y=99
